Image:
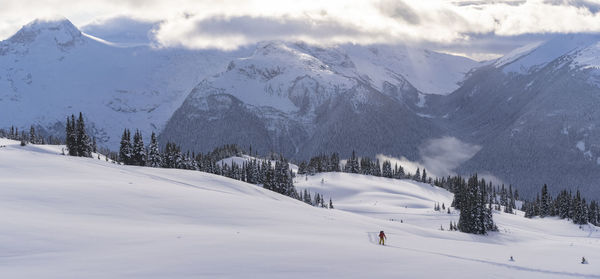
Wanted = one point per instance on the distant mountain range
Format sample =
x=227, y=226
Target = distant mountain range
x=531, y=116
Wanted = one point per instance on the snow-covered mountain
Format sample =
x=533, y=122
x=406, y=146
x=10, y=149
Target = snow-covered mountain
x=531, y=116
x=301, y=100
x=50, y=69
x=71, y=217
x=535, y=114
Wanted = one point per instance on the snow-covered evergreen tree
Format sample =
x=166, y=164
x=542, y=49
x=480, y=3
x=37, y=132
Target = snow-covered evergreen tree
x=138, y=150
x=352, y=165
x=154, y=158
x=71, y=137
x=125, y=149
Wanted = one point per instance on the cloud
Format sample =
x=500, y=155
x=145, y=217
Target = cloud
x=230, y=32
x=227, y=24
x=399, y=10
x=441, y=156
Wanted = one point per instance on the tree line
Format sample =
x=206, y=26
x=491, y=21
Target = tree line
x=272, y=173
x=363, y=165
x=565, y=206
x=33, y=136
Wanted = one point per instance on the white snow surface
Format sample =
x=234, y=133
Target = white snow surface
x=588, y=57
x=531, y=57
x=516, y=54
x=68, y=217
x=428, y=71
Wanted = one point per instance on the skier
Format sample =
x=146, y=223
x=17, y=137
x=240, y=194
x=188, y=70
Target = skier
x=382, y=238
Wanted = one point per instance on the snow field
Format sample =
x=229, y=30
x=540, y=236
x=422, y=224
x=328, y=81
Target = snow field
x=67, y=217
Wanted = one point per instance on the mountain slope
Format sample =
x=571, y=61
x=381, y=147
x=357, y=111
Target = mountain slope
x=68, y=217
x=50, y=69
x=301, y=100
x=535, y=117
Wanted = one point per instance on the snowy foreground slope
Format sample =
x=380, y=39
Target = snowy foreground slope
x=65, y=217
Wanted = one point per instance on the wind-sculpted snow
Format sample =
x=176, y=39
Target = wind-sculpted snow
x=71, y=217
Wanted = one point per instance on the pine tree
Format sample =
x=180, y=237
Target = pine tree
x=400, y=172
x=417, y=176
x=302, y=168
x=578, y=210
x=545, y=202
x=475, y=216
x=334, y=162
x=387, y=169
x=424, y=176
x=352, y=165
x=138, y=157
x=269, y=180
x=32, y=136
x=125, y=150
x=154, y=157
x=71, y=138
x=84, y=145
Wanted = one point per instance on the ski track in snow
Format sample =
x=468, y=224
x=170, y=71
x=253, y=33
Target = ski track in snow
x=374, y=239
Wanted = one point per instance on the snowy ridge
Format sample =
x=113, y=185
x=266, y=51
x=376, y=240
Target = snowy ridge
x=535, y=56
x=68, y=217
x=428, y=71
x=588, y=58
x=516, y=54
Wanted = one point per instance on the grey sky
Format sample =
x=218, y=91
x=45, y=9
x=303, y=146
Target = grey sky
x=479, y=29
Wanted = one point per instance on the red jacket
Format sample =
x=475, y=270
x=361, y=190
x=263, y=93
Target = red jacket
x=381, y=235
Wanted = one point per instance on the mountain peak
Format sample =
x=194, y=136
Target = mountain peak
x=59, y=30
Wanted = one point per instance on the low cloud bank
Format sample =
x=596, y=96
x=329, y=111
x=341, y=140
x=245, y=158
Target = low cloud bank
x=441, y=157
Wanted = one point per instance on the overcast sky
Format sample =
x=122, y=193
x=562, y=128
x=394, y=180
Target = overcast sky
x=478, y=29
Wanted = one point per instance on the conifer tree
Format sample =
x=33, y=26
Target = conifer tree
x=417, y=176
x=125, y=150
x=400, y=173
x=545, y=202
x=154, y=157
x=71, y=138
x=84, y=144
x=475, y=216
x=334, y=162
x=352, y=165
x=32, y=135
x=387, y=169
x=138, y=157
